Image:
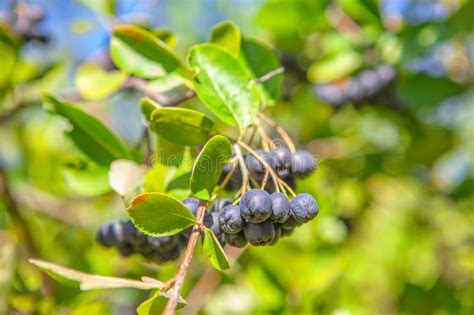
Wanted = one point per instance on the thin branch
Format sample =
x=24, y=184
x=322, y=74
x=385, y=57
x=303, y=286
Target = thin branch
x=245, y=173
x=270, y=75
x=178, y=280
x=283, y=134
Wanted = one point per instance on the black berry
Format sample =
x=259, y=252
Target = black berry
x=236, y=240
x=302, y=163
x=192, y=204
x=220, y=203
x=304, y=208
x=259, y=234
x=211, y=221
x=280, y=207
x=230, y=219
x=256, y=206
x=282, y=158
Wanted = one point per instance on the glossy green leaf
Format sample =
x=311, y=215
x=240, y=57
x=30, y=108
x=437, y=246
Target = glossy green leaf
x=213, y=250
x=224, y=85
x=227, y=35
x=180, y=125
x=139, y=52
x=208, y=166
x=89, y=281
x=166, y=36
x=262, y=59
x=147, y=106
x=159, y=214
x=93, y=83
x=89, y=134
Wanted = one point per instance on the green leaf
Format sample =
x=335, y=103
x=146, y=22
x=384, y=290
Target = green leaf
x=156, y=304
x=262, y=59
x=159, y=214
x=213, y=250
x=180, y=125
x=147, y=106
x=208, y=166
x=224, y=85
x=89, y=134
x=89, y=281
x=93, y=83
x=166, y=36
x=227, y=35
x=139, y=52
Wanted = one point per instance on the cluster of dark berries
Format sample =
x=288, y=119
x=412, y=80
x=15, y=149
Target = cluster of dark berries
x=128, y=240
x=367, y=87
x=286, y=164
x=261, y=218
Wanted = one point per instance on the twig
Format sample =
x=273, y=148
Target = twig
x=245, y=174
x=274, y=176
x=283, y=134
x=270, y=75
x=188, y=256
x=267, y=141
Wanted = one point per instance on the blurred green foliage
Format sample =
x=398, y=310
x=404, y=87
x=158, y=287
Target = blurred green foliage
x=396, y=186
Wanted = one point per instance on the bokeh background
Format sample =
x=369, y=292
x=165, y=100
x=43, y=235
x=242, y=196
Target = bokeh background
x=395, y=234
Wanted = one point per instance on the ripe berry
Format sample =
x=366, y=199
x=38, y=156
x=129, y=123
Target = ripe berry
x=192, y=204
x=220, y=203
x=259, y=234
x=304, y=207
x=105, y=236
x=230, y=219
x=116, y=229
x=302, y=163
x=282, y=158
x=255, y=167
x=211, y=221
x=280, y=207
x=236, y=240
x=256, y=206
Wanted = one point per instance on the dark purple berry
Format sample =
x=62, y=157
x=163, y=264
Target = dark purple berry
x=255, y=167
x=256, y=206
x=236, y=240
x=302, y=163
x=192, y=204
x=212, y=222
x=282, y=158
x=304, y=208
x=230, y=219
x=105, y=236
x=259, y=234
x=280, y=207
x=125, y=249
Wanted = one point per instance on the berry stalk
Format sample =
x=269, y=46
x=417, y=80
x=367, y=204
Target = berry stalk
x=188, y=256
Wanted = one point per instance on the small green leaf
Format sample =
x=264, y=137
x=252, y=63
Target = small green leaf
x=159, y=214
x=180, y=125
x=261, y=59
x=224, y=85
x=213, y=250
x=93, y=83
x=227, y=35
x=139, y=52
x=89, y=281
x=156, y=304
x=89, y=134
x=208, y=166
x=147, y=106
